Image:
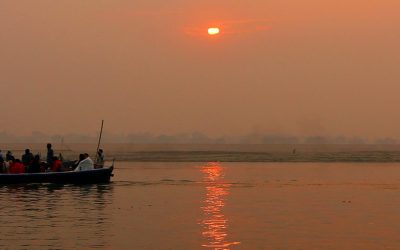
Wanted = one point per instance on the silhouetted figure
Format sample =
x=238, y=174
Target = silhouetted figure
x=9, y=156
x=81, y=158
x=50, y=155
x=27, y=158
x=100, y=158
x=35, y=166
x=1, y=162
x=61, y=157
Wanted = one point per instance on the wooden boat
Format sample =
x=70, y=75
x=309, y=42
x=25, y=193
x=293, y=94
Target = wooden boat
x=101, y=175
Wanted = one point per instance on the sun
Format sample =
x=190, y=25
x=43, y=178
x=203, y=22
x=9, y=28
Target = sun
x=213, y=31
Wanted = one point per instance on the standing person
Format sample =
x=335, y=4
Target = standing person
x=50, y=155
x=100, y=159
x=27, y=158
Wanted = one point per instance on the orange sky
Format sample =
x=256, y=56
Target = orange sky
x=307, y=67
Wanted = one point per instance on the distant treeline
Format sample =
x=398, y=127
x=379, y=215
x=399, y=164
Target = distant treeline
x=193, y=138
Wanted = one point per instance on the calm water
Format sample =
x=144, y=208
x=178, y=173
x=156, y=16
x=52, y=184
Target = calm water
x=221, y=152
x=211, y=206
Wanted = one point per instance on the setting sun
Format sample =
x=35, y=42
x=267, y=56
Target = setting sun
x=213, y=31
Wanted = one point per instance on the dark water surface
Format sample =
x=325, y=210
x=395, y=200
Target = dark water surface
x=55, y=217
x=211, y=206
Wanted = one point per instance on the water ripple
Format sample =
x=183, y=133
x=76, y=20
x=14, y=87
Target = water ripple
x=55, y=216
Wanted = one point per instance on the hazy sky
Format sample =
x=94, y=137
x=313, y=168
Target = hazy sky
x=306, y=67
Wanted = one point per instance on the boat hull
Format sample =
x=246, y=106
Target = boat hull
x=102, y=175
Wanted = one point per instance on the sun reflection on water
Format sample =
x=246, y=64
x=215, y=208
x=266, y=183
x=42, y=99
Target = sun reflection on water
x=215, y=224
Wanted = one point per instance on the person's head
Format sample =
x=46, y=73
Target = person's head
x=81, y=157
x=100, y=151
x=55, y=158
x=37, y=158
x=18, y=160
x=9, y=152
x=49, y=145
x=86, y=155
x=27, y=151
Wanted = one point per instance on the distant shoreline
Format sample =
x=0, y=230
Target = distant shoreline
x=201, y=156
x=222, y=152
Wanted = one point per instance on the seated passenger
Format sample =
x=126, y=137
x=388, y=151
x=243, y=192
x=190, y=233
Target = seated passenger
x=35, y=166
x=80, y=158
x=27, y=158
x=1, y=162
x=9, y=156
x=85, y=164
x=16, y=167
x=10, y=167
x=57, y=165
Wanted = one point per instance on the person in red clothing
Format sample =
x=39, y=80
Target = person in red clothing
x=16, y=167
x=57, y=165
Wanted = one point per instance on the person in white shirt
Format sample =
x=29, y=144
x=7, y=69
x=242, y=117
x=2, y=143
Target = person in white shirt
x=85, y=164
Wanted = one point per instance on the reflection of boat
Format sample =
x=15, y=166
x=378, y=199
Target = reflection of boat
x=102, y=175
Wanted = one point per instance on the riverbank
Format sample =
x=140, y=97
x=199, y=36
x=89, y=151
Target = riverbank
x=222, y=152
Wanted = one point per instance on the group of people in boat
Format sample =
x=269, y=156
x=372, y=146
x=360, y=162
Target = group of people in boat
x=30, y=163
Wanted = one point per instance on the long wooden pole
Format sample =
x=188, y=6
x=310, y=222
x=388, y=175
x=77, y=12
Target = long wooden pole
x=98, y=144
